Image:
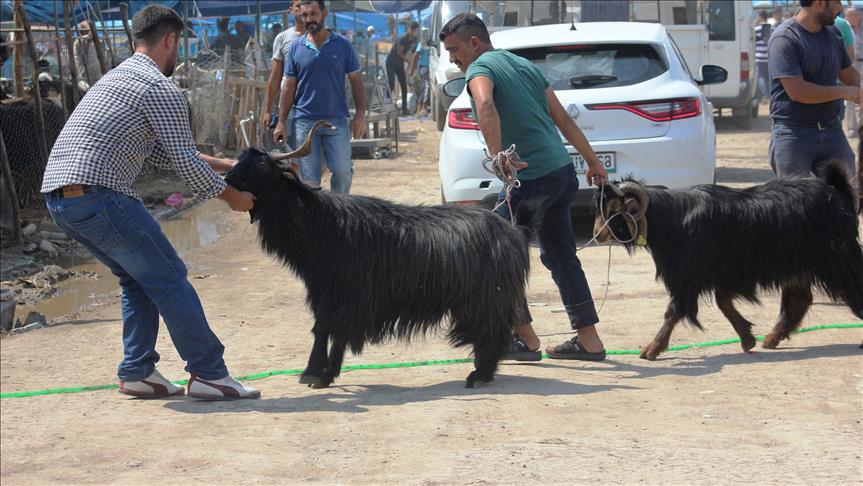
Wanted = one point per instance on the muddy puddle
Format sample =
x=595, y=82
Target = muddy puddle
x=196, y=227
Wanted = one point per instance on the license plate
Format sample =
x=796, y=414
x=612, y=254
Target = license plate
x=608, y=160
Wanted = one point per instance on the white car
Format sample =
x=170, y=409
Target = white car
x=628, y=89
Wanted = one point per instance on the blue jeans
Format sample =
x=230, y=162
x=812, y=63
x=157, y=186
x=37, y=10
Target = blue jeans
x=796, y=149
x=330, y=146
x=119, y=231
x=554, y=194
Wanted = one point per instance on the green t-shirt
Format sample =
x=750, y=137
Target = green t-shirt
x=525, y=120
x=846, y=31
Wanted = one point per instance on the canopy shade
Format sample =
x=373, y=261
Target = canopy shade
x=42, y=12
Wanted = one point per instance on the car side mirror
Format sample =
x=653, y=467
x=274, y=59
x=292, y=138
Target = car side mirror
x=454, y=87
x=711, y=74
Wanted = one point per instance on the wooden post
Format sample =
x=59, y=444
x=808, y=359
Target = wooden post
x=124, y=13
x=97, y=46
x=60, y=63
x=73, y=70
x=41, y=138
x=13, y=195
x=107, y=37
x=18, y=54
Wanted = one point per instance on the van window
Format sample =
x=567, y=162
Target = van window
x=720, y=20
x=583, y=66
x=717, y=15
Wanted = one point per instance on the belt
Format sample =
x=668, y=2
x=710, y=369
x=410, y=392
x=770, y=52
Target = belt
x=820, y=126
x=73, y=190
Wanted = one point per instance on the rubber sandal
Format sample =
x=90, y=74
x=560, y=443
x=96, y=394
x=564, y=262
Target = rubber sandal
x=572, y=350
x=518, y=351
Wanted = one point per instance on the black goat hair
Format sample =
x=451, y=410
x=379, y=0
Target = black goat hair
x=787, y=234
x=376, y=270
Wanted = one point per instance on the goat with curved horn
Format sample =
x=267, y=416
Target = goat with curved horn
x=637, y=191
x=306, y=147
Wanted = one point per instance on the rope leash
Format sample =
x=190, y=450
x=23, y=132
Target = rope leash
x=606, y=221
x=502, y=165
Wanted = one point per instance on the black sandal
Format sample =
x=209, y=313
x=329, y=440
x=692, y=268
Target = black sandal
x=518, y=351
x=572, y=349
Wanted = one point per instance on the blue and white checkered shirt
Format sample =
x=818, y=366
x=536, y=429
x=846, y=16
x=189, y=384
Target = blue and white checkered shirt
x=134, y=113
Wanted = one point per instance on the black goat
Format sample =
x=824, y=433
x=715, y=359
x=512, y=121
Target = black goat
x=787, y=234
x=376, y=270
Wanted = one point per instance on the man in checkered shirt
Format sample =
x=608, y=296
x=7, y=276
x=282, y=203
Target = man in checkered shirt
x=135, y=113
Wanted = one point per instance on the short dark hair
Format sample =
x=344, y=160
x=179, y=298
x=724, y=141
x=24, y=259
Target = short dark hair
x=224, y=24
x=320, y=3
x=152, y=22
x=762, y=14
x=806, y=3
x=466, y=25
x=414, y=25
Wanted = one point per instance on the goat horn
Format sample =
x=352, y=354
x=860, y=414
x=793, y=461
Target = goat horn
x=306, y=147
x=640, y=194
x=614, y=189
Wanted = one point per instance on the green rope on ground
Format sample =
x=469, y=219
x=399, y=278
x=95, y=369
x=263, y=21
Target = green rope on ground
x=410, y=364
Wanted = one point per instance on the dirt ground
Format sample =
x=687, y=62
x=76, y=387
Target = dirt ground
x=701, y=416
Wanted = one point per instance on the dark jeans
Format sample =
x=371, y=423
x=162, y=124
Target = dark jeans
x=397, y=69
x=796, y=149
x=120, y=232
x=554, y=194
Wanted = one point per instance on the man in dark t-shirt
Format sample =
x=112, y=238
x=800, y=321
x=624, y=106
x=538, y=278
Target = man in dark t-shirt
x=806, y=57
x=400, y=53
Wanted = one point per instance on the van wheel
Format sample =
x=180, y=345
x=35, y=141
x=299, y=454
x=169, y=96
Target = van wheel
x=742, y=118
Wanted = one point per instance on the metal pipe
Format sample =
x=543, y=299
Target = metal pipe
x=60, y=63
x=107, y=37
x=73, y=71
x=41, y=137
x=124, y=14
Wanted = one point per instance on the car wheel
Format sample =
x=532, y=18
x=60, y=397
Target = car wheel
x=441, y=115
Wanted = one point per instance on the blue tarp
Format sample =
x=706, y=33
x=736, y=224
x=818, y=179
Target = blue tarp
x=42, y=11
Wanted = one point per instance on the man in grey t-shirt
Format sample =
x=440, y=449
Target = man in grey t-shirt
x=806, y=57
x=281, y=47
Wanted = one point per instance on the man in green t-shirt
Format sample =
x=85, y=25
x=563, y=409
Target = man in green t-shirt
x=515, y=105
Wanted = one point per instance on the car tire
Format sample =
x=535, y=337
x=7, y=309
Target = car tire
x=440, y=115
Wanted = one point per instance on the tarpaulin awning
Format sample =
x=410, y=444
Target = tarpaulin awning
x=42, y=12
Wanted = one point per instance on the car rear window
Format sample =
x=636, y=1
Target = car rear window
x=583, y=66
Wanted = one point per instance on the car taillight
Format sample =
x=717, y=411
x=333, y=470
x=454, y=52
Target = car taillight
x=744, y=66
x=660, y=110
x=462, y=119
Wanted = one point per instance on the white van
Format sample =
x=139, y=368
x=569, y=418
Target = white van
x=730, y=43
x=497, y=15
x=729, y=39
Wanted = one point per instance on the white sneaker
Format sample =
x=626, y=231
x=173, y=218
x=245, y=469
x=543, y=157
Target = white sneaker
x=153, y=386
x=225, y=388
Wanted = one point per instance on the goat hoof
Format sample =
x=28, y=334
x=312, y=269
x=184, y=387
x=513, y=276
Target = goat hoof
x=770, y=342
x=648, y=355
x=475, y=381
x=316, y=381
x=748, y=344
